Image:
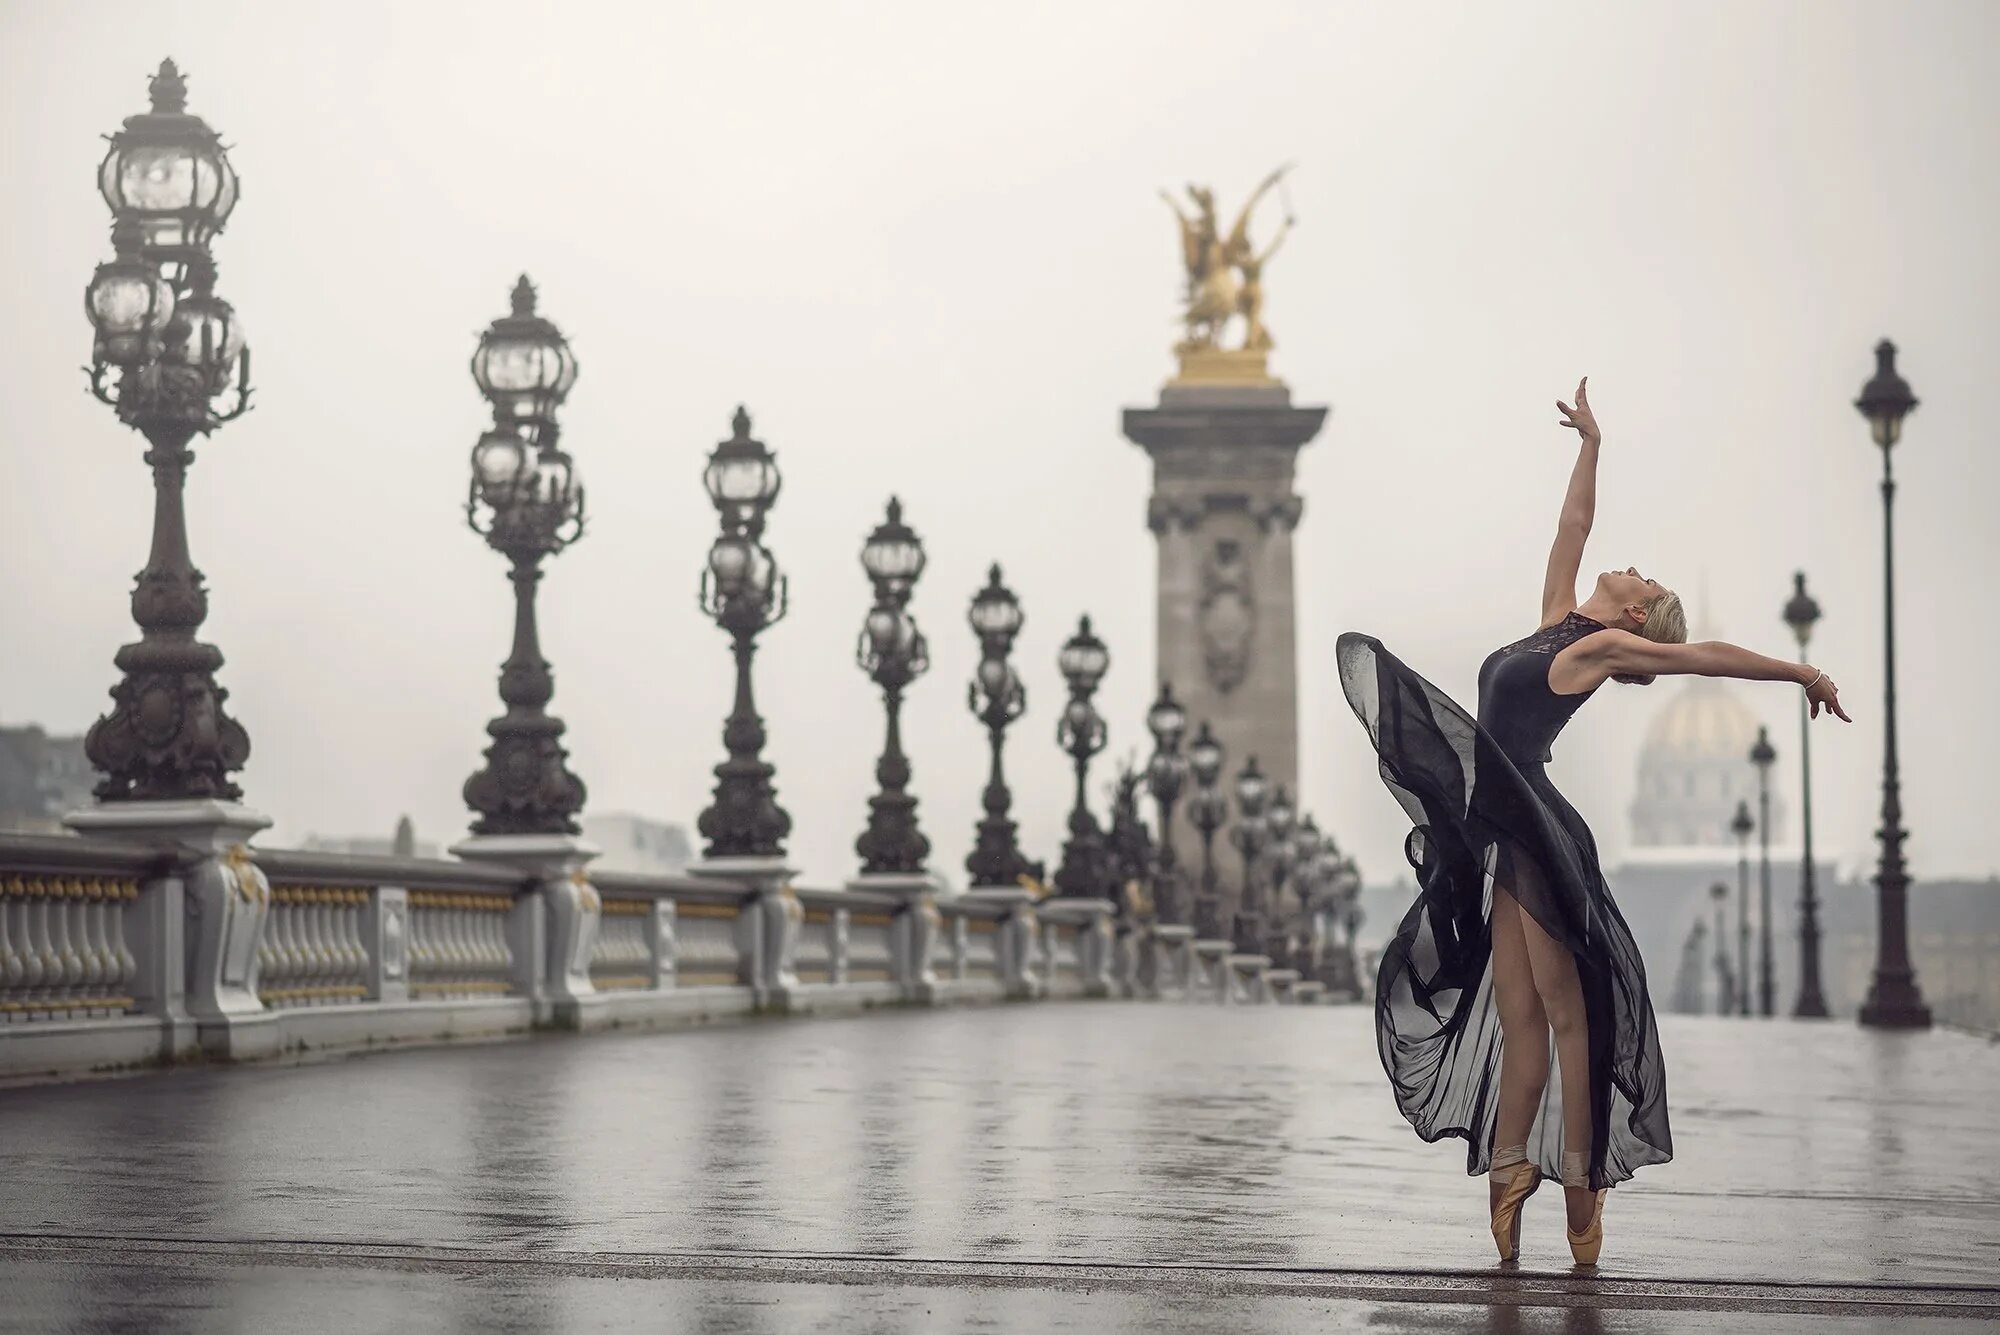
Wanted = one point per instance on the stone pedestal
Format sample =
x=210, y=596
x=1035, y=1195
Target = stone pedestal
x=1223, y=510
x=1278, y=984
x=218, y=899
x=1096, y=942
x=1246, y=975
x=1212, y=969
x=1174, y=967
x=1019, y=956
x=557, y=928
x=914, y=934
x=767, y=926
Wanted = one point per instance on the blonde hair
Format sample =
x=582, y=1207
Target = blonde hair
x=1666, y=623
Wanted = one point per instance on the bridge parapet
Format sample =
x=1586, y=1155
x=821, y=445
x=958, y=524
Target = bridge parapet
x=102, y=939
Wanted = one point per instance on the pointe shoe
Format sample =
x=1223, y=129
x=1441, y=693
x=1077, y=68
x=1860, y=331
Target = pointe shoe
x=1514, y=1192
x=1586, y=1245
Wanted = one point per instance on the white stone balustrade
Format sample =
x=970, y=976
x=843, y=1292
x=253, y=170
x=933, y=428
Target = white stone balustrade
x=459, y=945
x=63, y=948
x=313, y=952
x=102, y=942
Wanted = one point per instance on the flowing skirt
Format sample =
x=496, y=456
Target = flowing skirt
x=1481, y=820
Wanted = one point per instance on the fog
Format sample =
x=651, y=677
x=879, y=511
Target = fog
x=922, y=243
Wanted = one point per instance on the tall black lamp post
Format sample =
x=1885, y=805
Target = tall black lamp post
x=743, y=592
x=1208, y=808
x=1166, y=775
x=1291, y=931
x=1741, y=825
x=997, y=697
x=167, y=349
x=1724, y=1000
x=527, y=502
x=1280, y=822
x=1801, y=611
x=1894, y=1001
x=1763, y=755
x=893, y=652
x=1081, y=732
x=1249, y=835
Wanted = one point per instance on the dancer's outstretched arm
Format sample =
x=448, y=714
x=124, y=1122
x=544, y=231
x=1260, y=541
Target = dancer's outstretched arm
x=1621, y=653
x=1579, y=509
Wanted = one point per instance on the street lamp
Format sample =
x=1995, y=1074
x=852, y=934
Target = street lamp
x=1763, y=756
x=1894, y=1001
x=1081, y=732
x=1741, y=825
x=166, y=349
x=1801, y=611
x=997, y=697
x=527, y=502
x=1307, y=843
x=743, y=592
x=1166, y=775
x=1724, y=1002
x=1279, y=824
x=893, y=652
x=1252, y=789
x=1208, y=808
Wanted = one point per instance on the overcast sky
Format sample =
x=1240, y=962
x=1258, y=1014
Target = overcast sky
x=922, y=243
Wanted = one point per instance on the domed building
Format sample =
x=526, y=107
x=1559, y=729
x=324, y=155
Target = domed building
x=1694, y=768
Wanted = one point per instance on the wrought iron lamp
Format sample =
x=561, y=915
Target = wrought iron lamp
x=1801, y=612
x=1894, y=1001
x=1166, y=776
x=1208, y=809
x=1081, y=732
x=527, y=502
x=997, y=697
x=167, y=350
x=1249, y=836
x=1763, y=756
x=743, y=591
x=893, y=652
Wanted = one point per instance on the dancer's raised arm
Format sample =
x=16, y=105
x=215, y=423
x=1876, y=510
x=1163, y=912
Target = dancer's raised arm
x=1579, y=509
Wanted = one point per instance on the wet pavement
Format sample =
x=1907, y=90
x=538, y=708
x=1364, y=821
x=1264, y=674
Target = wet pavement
x=1088, y=1166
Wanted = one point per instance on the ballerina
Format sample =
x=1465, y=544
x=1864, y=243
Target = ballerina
x=1514, y=946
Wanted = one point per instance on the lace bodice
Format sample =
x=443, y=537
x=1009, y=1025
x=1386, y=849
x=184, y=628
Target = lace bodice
x=1516, y=706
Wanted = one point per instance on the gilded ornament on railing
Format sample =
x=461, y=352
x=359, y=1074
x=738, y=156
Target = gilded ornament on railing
x=1225, y=289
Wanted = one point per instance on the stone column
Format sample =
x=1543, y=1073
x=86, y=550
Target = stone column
x=555, y=924
x=1223, y=510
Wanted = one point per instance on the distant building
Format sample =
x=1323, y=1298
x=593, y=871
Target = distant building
x=42, y=778
x=638, y=844
x=403, y=843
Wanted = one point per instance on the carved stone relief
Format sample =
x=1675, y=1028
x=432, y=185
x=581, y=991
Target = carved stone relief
x=1228, y=614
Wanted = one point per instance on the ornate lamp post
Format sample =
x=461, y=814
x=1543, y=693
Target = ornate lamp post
x=1350, y=898
x=1801, y=611
x=1279, y=824
x=1740, y=826
x=893, y=652
x=1249, y=836
x=997, y=697
x=744, y=593
x=1290, y=932
x=1894, y=1002
x=1763, y=756
x=527, y=502
x=1208, y=808
x=1166, y=775
x=1724, y=1003
x=167, y=350
x=1081, y=733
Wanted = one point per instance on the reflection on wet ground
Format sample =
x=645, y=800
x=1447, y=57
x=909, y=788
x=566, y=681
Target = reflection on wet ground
x=1092, y=1133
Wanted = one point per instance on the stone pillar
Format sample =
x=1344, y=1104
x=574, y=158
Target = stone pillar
x=565, y=907
x=225, y=899
x=767, y=929
x=1223, y=510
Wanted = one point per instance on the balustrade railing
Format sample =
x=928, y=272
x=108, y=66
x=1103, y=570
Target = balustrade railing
x=63, y=948
x=313, y=952
x=459, y=945
x=622, y=959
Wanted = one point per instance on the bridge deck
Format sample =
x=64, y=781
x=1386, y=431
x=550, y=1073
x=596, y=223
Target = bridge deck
x=1086, y=1166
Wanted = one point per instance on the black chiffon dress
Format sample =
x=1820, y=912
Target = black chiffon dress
x=1486, y=813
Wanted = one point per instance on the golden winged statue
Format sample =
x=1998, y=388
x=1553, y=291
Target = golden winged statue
x=1225, y=282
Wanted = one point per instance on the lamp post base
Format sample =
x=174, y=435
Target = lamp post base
x=1895, y=1005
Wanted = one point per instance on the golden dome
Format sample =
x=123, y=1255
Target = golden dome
x=1704, y=722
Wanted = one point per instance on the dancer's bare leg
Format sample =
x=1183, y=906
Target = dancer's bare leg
x=1561, y=994
x=1524, y=1030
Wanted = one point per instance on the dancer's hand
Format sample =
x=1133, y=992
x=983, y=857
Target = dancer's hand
x=1580, y=417
x=1824, y=693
